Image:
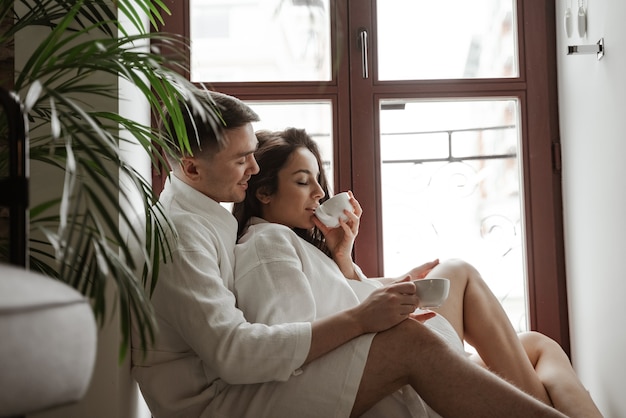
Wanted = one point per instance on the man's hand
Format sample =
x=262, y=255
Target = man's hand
x=388, y=306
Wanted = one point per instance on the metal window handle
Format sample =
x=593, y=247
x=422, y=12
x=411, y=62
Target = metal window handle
x=364, y=47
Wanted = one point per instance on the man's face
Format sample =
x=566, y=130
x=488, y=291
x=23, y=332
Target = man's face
x=224, y=176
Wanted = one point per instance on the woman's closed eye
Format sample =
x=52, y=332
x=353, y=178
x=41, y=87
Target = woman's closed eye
x=302, y=180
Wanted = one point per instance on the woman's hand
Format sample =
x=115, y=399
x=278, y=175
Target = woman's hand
x=388, y=306
x=340, y=240
x=422, y=316
x=422, y=271
x=415, y=273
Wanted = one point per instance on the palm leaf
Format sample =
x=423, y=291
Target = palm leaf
x=79, y=237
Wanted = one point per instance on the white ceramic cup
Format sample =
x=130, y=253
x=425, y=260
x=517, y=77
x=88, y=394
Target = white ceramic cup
x=331, y=210
x=432, y=292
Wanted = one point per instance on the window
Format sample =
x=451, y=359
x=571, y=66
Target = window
x=451, y=94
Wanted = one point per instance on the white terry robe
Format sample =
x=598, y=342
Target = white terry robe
x=281, y=278
x=205, y=350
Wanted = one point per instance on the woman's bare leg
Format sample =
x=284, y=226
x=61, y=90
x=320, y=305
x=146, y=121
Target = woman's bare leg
x=410, y=353
x=478, y=318
x=558, y=376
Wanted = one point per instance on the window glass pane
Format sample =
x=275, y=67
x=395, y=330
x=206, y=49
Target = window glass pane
x=451, y=188
x=446, y=39
x=314, y=117
x=260, y=40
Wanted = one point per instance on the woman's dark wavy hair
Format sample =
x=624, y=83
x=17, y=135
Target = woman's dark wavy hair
x=275, y=148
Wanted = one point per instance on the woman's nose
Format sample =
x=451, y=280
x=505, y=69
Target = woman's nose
x=319, y=192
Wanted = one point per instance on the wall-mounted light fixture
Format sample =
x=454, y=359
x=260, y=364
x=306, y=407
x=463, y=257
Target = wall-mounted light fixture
x=597, y=49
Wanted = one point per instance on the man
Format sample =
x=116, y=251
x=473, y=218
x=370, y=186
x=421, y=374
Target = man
x=208, y=361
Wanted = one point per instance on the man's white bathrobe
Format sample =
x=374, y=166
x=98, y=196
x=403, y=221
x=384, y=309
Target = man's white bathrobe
x=207, y=359
x=281, y=278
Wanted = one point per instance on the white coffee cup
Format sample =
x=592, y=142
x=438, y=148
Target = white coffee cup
x=432, y=292
x=331, y=210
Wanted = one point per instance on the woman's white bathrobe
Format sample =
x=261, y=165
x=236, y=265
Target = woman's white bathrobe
x=281, y=278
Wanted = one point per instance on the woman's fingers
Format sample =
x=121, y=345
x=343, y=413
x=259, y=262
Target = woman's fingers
x=422, y=316
x=351, y=226
x=422, y=271
x=358, y=210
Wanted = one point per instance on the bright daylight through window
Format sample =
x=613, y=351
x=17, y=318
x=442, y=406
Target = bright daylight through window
x=450, y=168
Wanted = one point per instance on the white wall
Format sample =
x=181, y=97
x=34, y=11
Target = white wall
x=593, y=132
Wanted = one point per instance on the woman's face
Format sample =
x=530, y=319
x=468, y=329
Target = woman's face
x=298, y=193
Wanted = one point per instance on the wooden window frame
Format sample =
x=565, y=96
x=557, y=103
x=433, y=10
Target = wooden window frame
x=536, y=89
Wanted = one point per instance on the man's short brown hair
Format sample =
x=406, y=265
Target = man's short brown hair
x=205, y=133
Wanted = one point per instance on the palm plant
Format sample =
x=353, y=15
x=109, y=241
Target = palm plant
x=76, y=237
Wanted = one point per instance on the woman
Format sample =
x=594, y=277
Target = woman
x=290, y=267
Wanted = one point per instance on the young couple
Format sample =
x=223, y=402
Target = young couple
x=317, y=338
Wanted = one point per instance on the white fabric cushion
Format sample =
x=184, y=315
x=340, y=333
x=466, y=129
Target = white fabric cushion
x=47, y=342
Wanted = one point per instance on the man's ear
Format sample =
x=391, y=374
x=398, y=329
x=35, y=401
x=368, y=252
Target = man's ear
x=188, y=168
x=262, y=195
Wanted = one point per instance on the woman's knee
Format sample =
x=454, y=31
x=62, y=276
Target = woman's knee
x=538, y=340
x=460, y=266
x=456, y=264
x=457, y=270
x=538, y=345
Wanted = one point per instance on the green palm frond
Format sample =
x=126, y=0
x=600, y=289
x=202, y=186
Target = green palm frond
x=84, y=53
